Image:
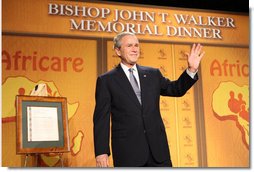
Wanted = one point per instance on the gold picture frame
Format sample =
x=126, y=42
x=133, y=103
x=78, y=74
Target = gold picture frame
x=41, y=124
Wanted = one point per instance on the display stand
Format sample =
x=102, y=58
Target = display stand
x=42, y=125
x=37, y=157
x=32, y=155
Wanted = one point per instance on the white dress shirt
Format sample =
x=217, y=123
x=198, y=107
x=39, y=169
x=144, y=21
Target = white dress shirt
x=191, y=74
x=127, y=72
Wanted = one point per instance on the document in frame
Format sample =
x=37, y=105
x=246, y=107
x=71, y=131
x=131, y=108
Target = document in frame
x=42, y=124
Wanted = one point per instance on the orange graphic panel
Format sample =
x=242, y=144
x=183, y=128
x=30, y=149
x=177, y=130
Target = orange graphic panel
x=225, y=80
x=69, y=69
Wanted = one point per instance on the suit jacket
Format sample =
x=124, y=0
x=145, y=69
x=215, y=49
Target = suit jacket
x=135, y=128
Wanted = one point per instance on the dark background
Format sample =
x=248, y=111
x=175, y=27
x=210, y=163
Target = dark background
x=241, y=6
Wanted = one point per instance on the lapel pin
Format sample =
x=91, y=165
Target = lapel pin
x=144, y=75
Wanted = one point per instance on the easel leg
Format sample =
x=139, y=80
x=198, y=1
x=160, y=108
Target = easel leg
x=61, y=159
x=25, y=163
x=36, y=159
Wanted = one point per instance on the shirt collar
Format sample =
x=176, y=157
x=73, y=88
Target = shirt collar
x=126, y=69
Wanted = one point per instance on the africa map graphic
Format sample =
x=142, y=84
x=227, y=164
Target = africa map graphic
x=231, y=102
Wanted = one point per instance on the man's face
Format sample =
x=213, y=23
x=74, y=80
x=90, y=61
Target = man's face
x=129, y=50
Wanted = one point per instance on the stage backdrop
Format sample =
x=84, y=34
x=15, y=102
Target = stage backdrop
x=67, y=44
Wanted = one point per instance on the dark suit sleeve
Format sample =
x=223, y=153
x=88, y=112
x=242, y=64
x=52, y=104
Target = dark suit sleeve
x=101, y=118
x=178, y=87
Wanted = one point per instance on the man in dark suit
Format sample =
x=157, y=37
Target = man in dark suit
x=131, y=97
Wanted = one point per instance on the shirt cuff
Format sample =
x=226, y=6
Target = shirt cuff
x=191, y=74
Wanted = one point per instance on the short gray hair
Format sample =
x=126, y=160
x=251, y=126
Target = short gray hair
x=118, y=38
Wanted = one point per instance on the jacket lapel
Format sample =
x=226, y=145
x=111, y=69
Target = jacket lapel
x=143, y=78
x=125, y=85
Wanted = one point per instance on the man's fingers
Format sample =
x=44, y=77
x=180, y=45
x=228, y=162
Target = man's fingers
x=198, y=49
x=201, y=55
x=102, y=164
x=107, y=163
x=193, y=48
x=102, y=161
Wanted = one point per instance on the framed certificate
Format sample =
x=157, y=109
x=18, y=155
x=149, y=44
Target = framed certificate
x=42, y=124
